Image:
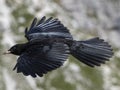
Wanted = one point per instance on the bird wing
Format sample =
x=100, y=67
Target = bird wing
x=47, y=28
x=38, y=60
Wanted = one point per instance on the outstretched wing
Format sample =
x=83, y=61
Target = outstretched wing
x=47, y=28
x=38, y=60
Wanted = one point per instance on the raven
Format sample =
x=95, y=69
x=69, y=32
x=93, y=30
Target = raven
x=50, y=43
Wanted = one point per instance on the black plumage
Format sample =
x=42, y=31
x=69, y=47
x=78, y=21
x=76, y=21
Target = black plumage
x=50, y=43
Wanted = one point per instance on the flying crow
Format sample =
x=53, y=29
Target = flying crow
x=50, y=43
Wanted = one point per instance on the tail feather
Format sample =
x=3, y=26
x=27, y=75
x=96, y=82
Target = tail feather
x=92, y=52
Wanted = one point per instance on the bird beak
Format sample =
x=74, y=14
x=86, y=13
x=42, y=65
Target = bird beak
x=7, y=52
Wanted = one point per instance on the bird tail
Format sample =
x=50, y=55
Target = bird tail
x=92, y=52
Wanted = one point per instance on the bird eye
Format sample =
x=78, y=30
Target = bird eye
x=14, y=48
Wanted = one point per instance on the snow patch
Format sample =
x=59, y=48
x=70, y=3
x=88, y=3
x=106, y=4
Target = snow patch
x=9, y=82
x=32, y=83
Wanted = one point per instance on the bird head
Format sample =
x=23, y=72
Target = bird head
x=17, y=49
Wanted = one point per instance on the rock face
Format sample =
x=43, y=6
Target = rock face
x=85, y=19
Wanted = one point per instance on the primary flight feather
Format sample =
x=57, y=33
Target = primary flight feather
x=50, y=43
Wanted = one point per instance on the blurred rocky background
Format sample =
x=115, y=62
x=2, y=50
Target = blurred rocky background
x=85, y=19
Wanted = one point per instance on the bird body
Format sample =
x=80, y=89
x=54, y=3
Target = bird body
x=50, y=43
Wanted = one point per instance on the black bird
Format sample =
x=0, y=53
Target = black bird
x=50, y=43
